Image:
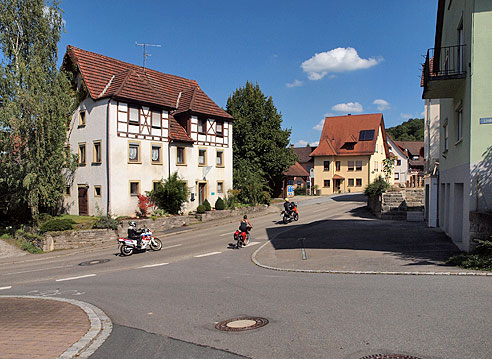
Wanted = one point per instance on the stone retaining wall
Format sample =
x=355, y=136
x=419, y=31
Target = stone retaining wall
x=396, y=205
x=211, y=215
x=480, y=226
x=78, y=239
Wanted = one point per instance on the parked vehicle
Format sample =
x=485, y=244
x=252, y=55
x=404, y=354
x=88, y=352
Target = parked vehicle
x=293, y=215
x=128, y=246
x=241, y=238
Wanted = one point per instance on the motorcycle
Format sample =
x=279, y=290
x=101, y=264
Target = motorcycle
x=293, y=215
x=241, y=238
x=128, y=246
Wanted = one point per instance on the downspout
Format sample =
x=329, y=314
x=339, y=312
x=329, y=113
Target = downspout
x=108, y=203
x=169, y=159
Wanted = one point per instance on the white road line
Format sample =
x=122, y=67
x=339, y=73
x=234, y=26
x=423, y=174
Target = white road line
x=37, y=270
x=2, y=288
x=226, y=234
x=253, y=243
x=207, y=254
x=176, y=245
x=79, y=277
x=153, y=265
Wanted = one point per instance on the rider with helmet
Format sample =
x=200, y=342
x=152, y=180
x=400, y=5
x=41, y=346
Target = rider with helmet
x=245, y=225
x=134, y=233
x=288, y=206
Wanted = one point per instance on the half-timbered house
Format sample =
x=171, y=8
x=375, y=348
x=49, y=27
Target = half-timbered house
x=135, y=126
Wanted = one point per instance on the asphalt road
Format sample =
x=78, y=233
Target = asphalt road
x=165, y=304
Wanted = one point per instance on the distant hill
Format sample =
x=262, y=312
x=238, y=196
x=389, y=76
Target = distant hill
x=411, y=130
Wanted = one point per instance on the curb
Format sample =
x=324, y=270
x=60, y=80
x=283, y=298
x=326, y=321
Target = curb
x=450, y=274
x=99, y=330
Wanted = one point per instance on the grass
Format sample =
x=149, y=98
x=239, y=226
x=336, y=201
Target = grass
x=21, y=243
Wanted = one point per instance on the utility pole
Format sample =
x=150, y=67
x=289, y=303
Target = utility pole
x=145, y=54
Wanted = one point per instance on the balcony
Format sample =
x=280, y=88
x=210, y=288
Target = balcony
x=441, y=78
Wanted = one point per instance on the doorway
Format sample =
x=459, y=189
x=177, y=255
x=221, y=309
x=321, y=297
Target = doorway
x=337, y=186
x=83, y=201
x=201, y=192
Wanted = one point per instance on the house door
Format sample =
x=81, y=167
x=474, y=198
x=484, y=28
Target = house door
x=201, y=192
x=83, y=201
x=337, y=185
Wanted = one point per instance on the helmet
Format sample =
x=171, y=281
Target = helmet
x=286, y=199
x=132, y=224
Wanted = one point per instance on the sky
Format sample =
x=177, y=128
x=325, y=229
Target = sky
x=314, y=58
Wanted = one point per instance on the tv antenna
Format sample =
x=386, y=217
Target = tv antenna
x=145, y=54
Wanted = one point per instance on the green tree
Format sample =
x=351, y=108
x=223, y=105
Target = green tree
x=261, y=155
x=411, y=130
x=170, y=194
x=36, y=102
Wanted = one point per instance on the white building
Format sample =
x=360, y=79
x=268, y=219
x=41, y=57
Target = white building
x=135, y=126
x=401, y=162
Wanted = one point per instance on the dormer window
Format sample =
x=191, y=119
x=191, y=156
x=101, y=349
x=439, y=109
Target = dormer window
x=415, y=158
x=202, y=124
x=82, y=118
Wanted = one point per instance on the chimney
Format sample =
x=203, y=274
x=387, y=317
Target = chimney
x=291, y=145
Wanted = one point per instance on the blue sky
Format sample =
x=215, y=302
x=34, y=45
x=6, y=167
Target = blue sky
x=315, y=58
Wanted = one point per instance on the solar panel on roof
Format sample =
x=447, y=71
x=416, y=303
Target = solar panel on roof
x=366, y=135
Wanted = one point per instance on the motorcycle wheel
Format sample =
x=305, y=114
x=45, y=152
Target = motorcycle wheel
x=296, y=216
x=286, y=219
x=157, y=246
x=126, y=250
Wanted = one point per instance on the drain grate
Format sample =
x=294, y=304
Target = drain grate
x=93, y=262
x=389, y=356
x=241, y=324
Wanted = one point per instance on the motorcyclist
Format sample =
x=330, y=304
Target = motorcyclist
x=134, y=233
x=245, y=226
x=288, y=206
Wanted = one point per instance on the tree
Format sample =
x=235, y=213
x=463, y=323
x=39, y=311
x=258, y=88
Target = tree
x=261, y=155
x=170, y=194
x=36, y=102
x=411, y=130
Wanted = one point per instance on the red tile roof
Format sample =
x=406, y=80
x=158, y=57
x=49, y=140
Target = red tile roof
x=177, y=132
x=412, y=148
x=108, y=77
x=341, y=132
x=304, y=153
x=296, y=170
x=338, y=177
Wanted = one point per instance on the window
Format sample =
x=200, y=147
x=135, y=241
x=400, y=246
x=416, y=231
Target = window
x=220, y=159
x=133, y=118
x=326, y=183
x=220, y=128
x=358, y=165
x=82, y=118
x=220, y=187
x=134, y=152
x=398, y=162
x=350, y=165
x=155, y=184
x=67, y=190
x=202, y=157
x=156, y=154
x=351, y=182
x=376, y=166
x=415, y=158
x=337, y=165
x=134, y=188
x=446, y=134
x=358, y=182
x=156, y=119
x=326, y=165
x=180, y=155
x=397, y=176
x=97, y=191
x=459, y=124
x=202, y=124
x=81, y=154
x=96, y=158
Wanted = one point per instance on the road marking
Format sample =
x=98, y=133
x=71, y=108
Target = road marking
x=175, y=245
x=2, y=288
x=303, y=250
x=253, y=243
x=37, y=270
x=226, y=234
x=79, y=277
x=207, y=254
x=153, y=265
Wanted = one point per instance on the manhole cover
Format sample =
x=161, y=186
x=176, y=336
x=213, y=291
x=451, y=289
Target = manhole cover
x=93, y=262
x=240, y=324
x=389, y=356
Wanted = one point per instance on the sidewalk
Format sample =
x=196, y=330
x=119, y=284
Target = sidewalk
x=37, y=327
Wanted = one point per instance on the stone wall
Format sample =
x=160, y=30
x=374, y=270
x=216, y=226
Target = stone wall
x=480, y=226
x=78, y=239
x=211, y=215
x=158, y=224
x=398, y=205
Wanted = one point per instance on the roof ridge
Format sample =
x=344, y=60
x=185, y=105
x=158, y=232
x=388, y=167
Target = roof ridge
x=125, y=80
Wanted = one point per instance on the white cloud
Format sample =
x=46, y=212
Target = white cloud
x=336, y=60
x=302, y=143
x=319, y=126
x=294, y=84
x=407, y=115
x=315, y=143
x=382, y=104
x=348, y=107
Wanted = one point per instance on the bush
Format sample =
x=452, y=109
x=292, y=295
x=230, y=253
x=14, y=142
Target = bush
x=232, y=200
x=207, y=205
x=267, y=198
x=144, y=205
x=480, y=258
x=29, y=242
x=200, y=209
x=170, y=194
x=44, y=217
x=219, y=204
x=377, y=187
x=106, y=222
x=300, y=191
x=57, y=224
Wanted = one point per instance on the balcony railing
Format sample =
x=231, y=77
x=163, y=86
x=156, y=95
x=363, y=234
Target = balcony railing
x=444, y=62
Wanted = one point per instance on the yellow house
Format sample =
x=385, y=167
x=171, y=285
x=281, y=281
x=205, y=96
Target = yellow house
x=350, y=153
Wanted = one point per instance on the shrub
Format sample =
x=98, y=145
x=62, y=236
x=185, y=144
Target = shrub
x=480, y=258
x=232, y=198
x=144, y=204
x=44, y=217
x=106, y=222
x=207, y=205
x=267, y=198
x=377, y=187
x=300, y=190
x=200, y=209
x=57, y=224
x=29, y=242
x=170, y=194
x=219, y=204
